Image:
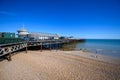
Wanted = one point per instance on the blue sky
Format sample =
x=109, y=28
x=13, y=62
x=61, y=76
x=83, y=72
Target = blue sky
x=80, y=18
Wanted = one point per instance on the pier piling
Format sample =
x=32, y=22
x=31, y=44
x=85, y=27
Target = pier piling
x=10, y=56
x=56, y=46
x=26, y=48
x=50, y=46
x=41, y=47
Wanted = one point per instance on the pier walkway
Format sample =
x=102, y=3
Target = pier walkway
x=7, y=49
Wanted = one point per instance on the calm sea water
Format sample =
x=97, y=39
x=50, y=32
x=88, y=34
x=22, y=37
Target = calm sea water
x=108, y=47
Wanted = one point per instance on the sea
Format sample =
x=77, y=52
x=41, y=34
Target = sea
x=107, y=47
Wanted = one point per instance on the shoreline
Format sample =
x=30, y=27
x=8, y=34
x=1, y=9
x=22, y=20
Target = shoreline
x=107, y=47
x=94, y=56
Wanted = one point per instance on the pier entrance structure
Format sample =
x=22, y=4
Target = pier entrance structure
x=22, y=33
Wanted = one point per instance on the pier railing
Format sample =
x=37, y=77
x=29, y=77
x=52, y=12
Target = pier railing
x=12, y=47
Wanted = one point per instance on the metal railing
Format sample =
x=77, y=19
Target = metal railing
x=12, y=47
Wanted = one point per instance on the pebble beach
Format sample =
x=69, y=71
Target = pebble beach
x=59, y=65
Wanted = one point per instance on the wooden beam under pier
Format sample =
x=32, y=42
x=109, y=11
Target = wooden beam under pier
x=26, y=48
x=41, y=47
x=56, y=46
x=9, y=56
x=50, y=45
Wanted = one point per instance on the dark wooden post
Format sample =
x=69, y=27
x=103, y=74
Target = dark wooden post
x=26, y=48
x=9, y=58
x=56, y=46
x=50, y=45
x=41, y=47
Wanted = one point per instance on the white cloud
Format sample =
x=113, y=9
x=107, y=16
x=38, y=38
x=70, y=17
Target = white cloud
x=7, y=13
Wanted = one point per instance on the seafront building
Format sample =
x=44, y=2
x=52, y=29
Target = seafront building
x=24, y=34
x=43, y=36
x=7, y=35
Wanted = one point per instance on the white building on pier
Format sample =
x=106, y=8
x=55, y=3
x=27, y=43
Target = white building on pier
x=43, y=36
x=22, y=33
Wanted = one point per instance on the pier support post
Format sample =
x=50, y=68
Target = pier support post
x=9, y=57
x=56, y=46
x=26, y=48
x=41, y=47
x=50, y=46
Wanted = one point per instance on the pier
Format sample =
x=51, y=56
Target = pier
x=8, y=49
x=10, y=44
